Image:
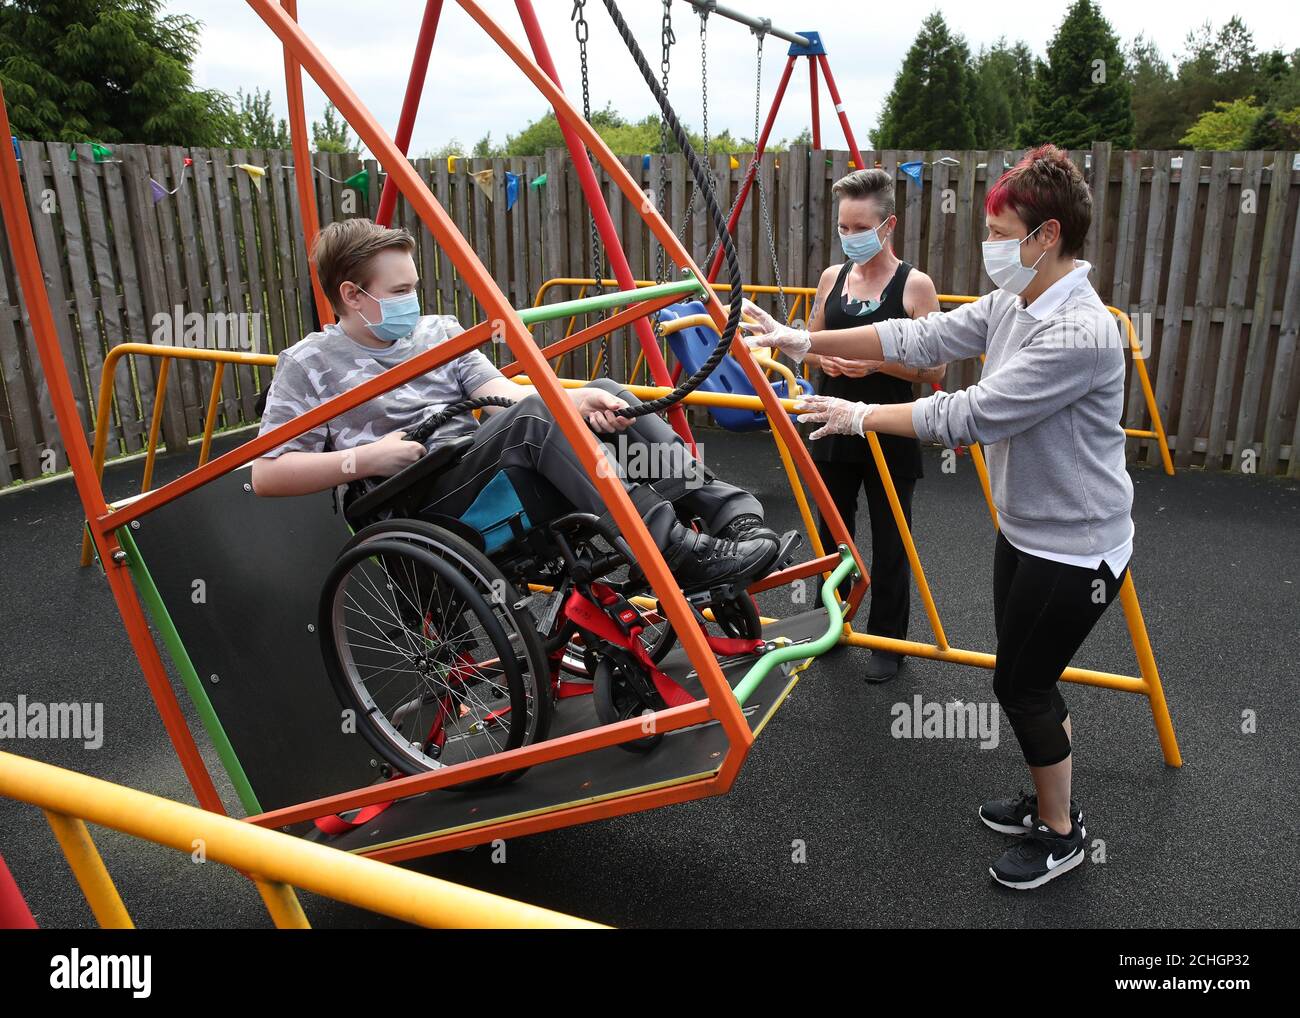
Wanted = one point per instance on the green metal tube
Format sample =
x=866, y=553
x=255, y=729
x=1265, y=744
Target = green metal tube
x=756, y=674
x=605, y=301
x=181, y=659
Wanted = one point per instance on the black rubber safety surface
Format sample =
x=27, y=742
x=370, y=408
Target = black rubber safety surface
x=837, y=819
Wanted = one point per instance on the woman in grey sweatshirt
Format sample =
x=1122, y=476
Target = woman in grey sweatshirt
x=1048, y=410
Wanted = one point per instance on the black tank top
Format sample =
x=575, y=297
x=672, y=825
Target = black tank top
x=903, y=455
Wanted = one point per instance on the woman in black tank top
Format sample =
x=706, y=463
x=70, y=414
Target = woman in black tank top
x=871, y=286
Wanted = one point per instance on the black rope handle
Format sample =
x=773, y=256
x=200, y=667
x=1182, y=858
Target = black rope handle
x=421, y=432
x=736, y=295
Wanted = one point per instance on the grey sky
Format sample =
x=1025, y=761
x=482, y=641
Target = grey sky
x=473, y=88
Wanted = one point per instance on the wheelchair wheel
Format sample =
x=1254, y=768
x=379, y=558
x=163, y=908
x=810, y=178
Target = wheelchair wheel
x=492, y=583
x=619, y=694
x=738, y=617
x=420, y=637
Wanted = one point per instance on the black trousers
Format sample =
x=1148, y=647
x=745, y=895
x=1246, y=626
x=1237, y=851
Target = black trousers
x=891, y=575
x=1043, y=611
x=649, y=459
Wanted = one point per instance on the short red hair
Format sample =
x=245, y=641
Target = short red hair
x=1045, y=185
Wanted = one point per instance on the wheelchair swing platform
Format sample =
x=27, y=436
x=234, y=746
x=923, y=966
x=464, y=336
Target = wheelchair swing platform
x=237, y=580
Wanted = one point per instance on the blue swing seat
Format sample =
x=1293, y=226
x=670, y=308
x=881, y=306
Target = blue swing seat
x=692, y=346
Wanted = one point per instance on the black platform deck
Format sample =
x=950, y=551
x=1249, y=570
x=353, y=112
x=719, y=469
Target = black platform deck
x=888, y=825
x=252, y=641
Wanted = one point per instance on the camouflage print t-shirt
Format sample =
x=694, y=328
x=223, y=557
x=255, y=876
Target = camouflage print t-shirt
x=331, y=362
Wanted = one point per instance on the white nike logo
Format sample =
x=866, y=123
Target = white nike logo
x=1053, y=862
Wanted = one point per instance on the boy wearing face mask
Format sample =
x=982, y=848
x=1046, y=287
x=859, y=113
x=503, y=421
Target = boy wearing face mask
x=369, y=275
x=1047, y=409
x=872, y=285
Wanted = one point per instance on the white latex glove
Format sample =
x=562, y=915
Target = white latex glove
x=837, y=416
x=764, y=330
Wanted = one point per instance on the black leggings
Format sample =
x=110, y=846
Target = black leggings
x=1043, y=611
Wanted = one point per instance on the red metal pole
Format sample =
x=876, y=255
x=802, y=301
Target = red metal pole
x=302, y=167
x=604, y=223
x=839, y=109
x=753, y=166
x=14, y=913
x=816, y=104
x=410, y=104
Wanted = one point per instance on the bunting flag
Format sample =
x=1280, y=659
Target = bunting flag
x=645, y=164
x=483, y=178
x=735, y=163
x=159, y=192
x=17, y=154
x=451, y=163
x=359, y=181
x=255, y=174
x=913, y=170
x=100, y=152
x=512, y=189
x=537, y=182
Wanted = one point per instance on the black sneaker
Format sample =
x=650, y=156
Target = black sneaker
x=699, y=560
x=1016, y=816
x=746, y=525
x=1044, y=855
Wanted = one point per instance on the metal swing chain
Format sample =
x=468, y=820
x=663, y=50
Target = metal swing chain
x=758, y=179
x=666, y=41
x=582, y=30
x=704, y=112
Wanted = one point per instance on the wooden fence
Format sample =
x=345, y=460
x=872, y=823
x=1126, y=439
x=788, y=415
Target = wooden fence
x=1220, y=246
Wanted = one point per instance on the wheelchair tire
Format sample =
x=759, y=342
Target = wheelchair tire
x=616, y=699
x=483, y=572
x=468, y=655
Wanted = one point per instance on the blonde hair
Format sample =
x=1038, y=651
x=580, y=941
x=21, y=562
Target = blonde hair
x=343, y=251
x=874, y=183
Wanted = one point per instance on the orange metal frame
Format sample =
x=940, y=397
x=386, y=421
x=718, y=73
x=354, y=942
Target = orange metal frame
x=720, y=705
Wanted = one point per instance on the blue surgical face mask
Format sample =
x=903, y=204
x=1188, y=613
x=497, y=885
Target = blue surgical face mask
x=862, y=247
x=397, y=316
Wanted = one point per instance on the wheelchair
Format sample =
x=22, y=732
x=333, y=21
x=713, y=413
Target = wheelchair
x=452, y=639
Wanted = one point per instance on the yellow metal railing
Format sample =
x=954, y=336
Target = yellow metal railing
x=276, y=862
x=803, y=296
x=1147, y=683
x=218, y=358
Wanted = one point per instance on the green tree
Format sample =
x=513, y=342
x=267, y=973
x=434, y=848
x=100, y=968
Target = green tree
x=1157, y=122
x=934, y=93
x=331, y=134
x=624, y=137
x=1080, y=94
x=1226, y=127
x=1274, y=130
x=1003, y=75
x=107, y=71
x=453, y=147
x=1278, y=81
x=255, y=124
x=484, y=149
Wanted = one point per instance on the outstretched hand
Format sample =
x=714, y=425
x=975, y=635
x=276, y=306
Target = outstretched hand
x=837, y=416
x=762, y=330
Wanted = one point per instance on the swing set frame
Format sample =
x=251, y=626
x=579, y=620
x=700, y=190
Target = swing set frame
x=109, y=527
